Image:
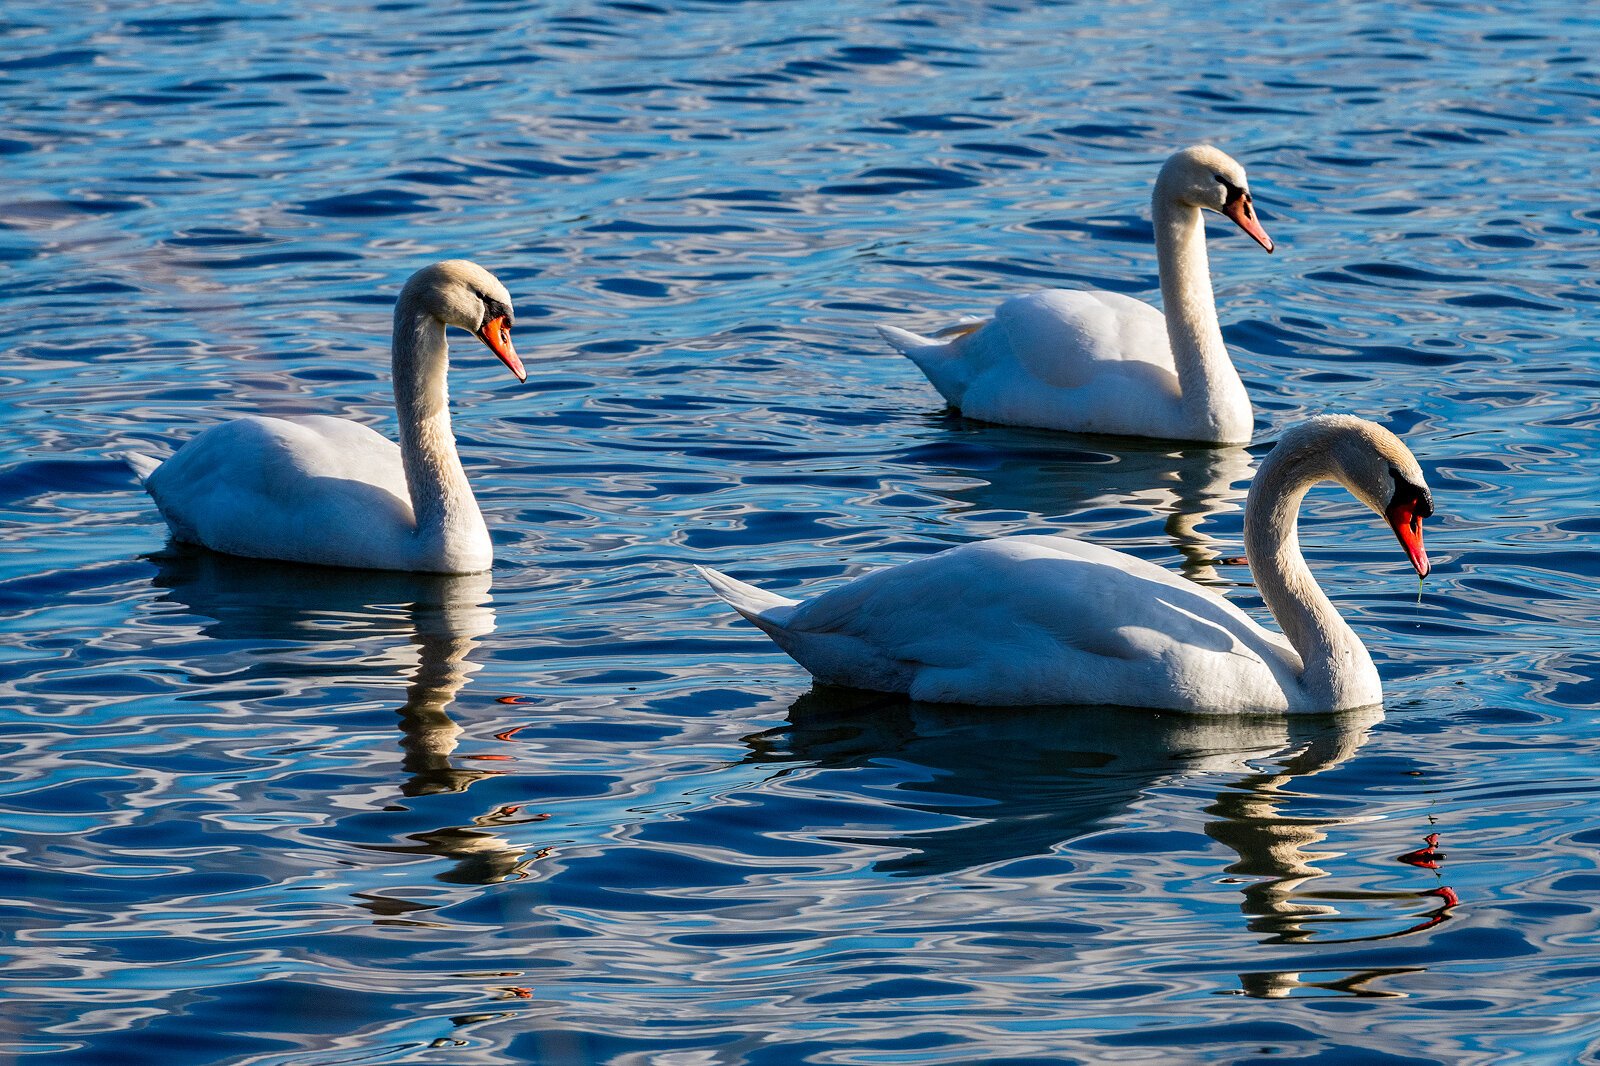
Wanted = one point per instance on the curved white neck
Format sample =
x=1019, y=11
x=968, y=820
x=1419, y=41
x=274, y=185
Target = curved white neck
x=1336, y=670
x=1210, y=384
x=441, y=499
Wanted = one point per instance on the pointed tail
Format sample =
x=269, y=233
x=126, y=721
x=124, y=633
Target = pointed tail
x=905, y=342
x=940, y=357
x=143, y=466
x=767, y=610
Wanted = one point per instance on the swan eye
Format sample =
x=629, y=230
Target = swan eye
x=493, y=309
x=1234, y=192
x=1420, y=499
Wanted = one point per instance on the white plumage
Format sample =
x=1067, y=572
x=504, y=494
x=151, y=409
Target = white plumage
x=328, y=491
x=1102, y=362
x=1082, y=361
x=1048, y=619
x=1027, y=620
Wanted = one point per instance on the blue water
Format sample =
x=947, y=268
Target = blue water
x=258, y=815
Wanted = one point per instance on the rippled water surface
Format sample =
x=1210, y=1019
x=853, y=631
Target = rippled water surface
x=253, y=814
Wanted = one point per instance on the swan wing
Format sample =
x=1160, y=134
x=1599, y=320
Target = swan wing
x=1038, y=619
x=1056, y=337
x=1065, y=338
x=1081, y=361
x=287, y=489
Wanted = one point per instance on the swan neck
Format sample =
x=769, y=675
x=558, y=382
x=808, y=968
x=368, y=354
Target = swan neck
x=1336, y=671
x=441, y=497
x=1211, y=387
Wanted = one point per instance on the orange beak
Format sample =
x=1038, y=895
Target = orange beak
x=1407, y=525
x=496, y=333
x=1243, y=213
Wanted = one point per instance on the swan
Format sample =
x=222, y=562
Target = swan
x=1102, y=362
x=333, y=492
x=1049, y=619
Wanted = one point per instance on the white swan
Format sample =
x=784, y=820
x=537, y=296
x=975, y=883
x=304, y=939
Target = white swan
x=1101, y=362
x=328, y=491
x=1048, y=619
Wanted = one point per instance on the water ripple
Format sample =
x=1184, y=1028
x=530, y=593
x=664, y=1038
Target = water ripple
x=578, y=812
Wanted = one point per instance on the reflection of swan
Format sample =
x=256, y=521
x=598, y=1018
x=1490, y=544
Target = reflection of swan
x=1040, y=619
x=1017, y=784
x=441, y=617
x=1031, y=779
x=1277, y=848
x=1102, y=362
x=1018, y=471
x=480, y=858
x=330, y=491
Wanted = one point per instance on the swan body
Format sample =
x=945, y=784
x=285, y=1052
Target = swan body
x=332, y=492
x=1102, y=362
x=1049, y=619
x=911, y=629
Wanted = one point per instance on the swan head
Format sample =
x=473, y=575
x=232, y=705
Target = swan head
x=461, y=293
x=1376, y=467
x=1212, y=180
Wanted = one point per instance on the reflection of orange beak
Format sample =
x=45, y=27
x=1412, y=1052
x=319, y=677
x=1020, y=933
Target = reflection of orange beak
x=1407, y=525
x=496, y=333
x=1243, y=213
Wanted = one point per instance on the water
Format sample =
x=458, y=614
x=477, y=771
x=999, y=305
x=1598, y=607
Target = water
x=256, y=815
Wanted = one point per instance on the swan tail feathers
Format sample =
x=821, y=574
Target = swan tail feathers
x=969, y=324
x=942, y=357
x=833, y=658
x=766, y=609
x=905, y=342
x=917, y=347
x=143, y=465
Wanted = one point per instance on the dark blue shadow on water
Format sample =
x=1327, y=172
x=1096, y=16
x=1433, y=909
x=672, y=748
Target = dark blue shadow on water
x=1031, y=783
x=437, y=619
x=443, y=618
